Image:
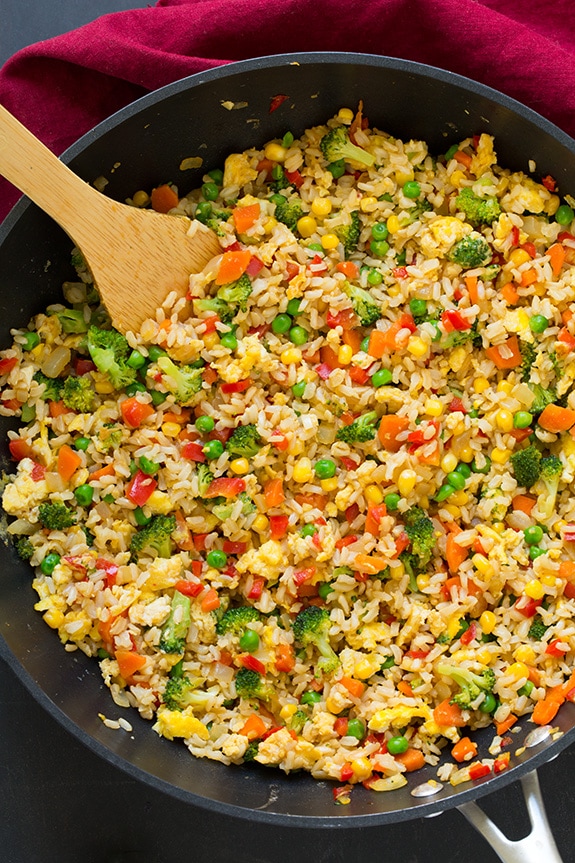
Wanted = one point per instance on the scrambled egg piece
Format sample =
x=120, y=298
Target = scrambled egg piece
x=235, y=746
x=484, y=156
x=441, y=234
x=267, y=561
x=179, y=723
x=369, y=637
x=526, y=195
x=205, y=623
x=278, y=746
x=150, y=614
x=399, y=716
x=163, y=573
x=23, y=493
x=251, y=353
x=237, y=170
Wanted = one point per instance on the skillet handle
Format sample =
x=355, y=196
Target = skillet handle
x=537, y=846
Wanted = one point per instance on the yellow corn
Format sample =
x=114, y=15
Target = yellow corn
x=321, y=207
x=417, y=346
x=485, y=656
x=397, y=570
x=345, y=115
x=406, y=482
x=456, y=358
x=210, y=340
x=54, y=618
x=366, y=667
x=457, y=178
x=548, y=579
x=480, y=385
x=522, y=319
x=260, y=523
x=525, y=653
x=459, y=428
x=171, y=429
x=453, y=510
x=270, y=224
x=504, y=420
x=329, y=242
x=140, y=198
x=433, y=407
x=373, y=494
x=368, y=204
x=303, y=470
x=487, y=622
x=405, y=175
x=291, y=356
x=306, y=226
x=459, y=498
x=288, y=711
x=483, y=566
x=423, y=581
x=329, y=484
x=103, y=386
x=504, y=387
x=159, y=503
x=393, y=225
x=275, y=152
x=424, y=502
x=498, y=526
x=518, y=670
x=240, y=466
x=466, y=454
x=518, y=257
x=448, y=462
x=500, y=456
x=344, y=355
x=534, y=589
x=361, y=769
x=454, y=625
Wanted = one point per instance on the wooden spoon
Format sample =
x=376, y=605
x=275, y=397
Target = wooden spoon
x=137, y=257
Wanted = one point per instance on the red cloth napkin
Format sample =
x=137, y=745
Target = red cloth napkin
x=62, y=87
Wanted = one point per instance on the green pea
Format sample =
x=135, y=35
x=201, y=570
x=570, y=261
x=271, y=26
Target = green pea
x=136, y=360
x=298, y=336
x=154, y=352
x=489, y=703
x=444, y=492
x=287, y=140
x=84, y=494
x=522, y=419
x=308, y=530
x=526, y=689
x=381, y=378
x=379, y=248
x=337, y=169
x=210, y=191
x=229, y=340
x=391, y=501
x=411, y=189
x=141, y=518
x=31, y=340
x=364, y=345
x=356, y=728
x=535, y=552
x=397, y=745
x=82, y=443
x=50, y=563
x=135, y=387
x=374, y=277
x=418, y=308
x=325, y=468
x=148, y=466
x=463, y=469
x=217, y=175
x=473, y=414
x=325, y=589
x=249, y=641
x=379, y=231
x=108, y=498
x=213, y=449
x=298, y=389
x=538, y=323
x=486, y=467
x=310, y=697
x=387, y=663
x=103, y=654
x=158, y=398
x=293, y=307
x=533, y=534
x=456, y=480
x=216, y=558
x=282, y=323
x=564, y=215
x=205, y=424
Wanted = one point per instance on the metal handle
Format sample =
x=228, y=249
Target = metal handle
x=538, y=846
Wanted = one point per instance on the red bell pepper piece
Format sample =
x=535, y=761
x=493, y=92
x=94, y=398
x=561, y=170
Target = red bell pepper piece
x=323, y=371
x=553, y=648
x=292, y=270
x=295, y=178
x=199, y=540
x=249, y=661
x=193, y=451
x=358, y=375
x=19, y=449
x=225, y=486
x=346, y=772
x=278, y=525
x=352, y=512
x=189, y=588
x=302, y=575
x=140, y=488
x=7, y=364
x=476, y=771
x=38, y=472
x=469, y=634
x=345, y=318
x=254, y=267
x=345, y=541
x=110, y=568
x=234, y=547
x=82, y=366
x=340, y=726
x=256, y=588
x=276, y=101
x=237, y=387
x=454, y=320
x=527, y=607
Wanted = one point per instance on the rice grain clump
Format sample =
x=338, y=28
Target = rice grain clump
x=325, y=521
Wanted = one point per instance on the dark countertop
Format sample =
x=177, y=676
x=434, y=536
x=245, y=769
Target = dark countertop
x=62, y=803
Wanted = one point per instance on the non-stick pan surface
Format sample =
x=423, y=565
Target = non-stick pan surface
x=212, y=114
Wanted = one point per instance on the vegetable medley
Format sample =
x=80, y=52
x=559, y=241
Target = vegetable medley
x=322, y=517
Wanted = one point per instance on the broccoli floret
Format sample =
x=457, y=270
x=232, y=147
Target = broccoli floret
x=527, y=465
x=55, y=515
x=224, y=510
x=109, y=351
x=529, y=355
x=244, y=441
x=349, y=234
x=279, y=180
x=470, y=252
x=537, y=629
x=212, y=218
x=175, y=629
x=236, y=294
x=420, y=530
x=548, y=485
x=287, y=211
x=461, y=337
x=337, y=145
x=298, y=720
x=205, y=478
x=72, y=321
x=78, y=394
x=154, y=539
x=214, y=304
x=367, y=310
x=184, y=382
x=360, y=430
x=311, y=627
x=543, y=396
x=478, y=211
x=415, y=213
x=181, y=692
x=52, y=387
x=249, y=684
x=472, y=685
x=24, y=547
x=237, y=619
x=251, y=751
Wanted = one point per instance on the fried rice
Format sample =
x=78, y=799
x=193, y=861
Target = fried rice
x=330, y=420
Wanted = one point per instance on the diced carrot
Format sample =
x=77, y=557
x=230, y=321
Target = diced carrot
x=377, y=344
x=529, y=277
x=556, y=254
x=502, y=727
x=471, y=285
x=68, y=462
x=313, y=499
x=509, y=294
x=210, y=601
x=534, y=675
x=567, y=570
x=523, y=503
x=233, y=265
x=245, y=217
x=355, y=687
x=58, y=409
x=412, y=759
x=447, y=714
x=430, y=454
x=181, y=419
x=511, y=356
x=285, y=659
x=164, y=199
x=107, y=470
x=404, y=687
x=390, y=426
x=329, y=357
x=464, y=750
x=348, y=268
x=352, y=338
x=134, y=412
x=374, y=515
x=567, y=316
x=556, y=419
x=254, y=727
x=545, y=711
x=274, y=492
x=369, y=563
x=166, y=324
x=455, y=554
x=209, y=375
x=463, y=158
x=129, y=662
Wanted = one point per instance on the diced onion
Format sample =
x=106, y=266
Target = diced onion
x=56, y=361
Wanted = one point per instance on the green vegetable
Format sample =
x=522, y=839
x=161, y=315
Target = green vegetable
x=349, y=234
x=564, y=215
x=210, y=191
x=205, y=424
x=136, y=360
x=297, y=721
x=181, y=692
x=325, y=468
x=281, y=324
x=298, y=389
x=55, y=515
x=548, y=485
x=337, y=168
x=397, y=745
x=311, y=697
x=360, y=430
x=52, y=387
x=31, y=340
x=418, y=309
x=140, y=517
x=24, y=547
x=365, y=307
x=184, y=382
x=337, y=145
x=533, y=535
x=82, y=443
x=154, y=539
x=298, y=335
x=538, y=323
x=411, y=189
x=78, y=394
x=216, y=558
x=471, y=684
x=249, y=684
x=229, y=340
x=444, y=492
x=147, y=466
x=205, y=478
x=421, y=532
x=391, y=501
x=356, y=728
x=109, y=351
x=50, y=563
x=379, y=248
x=529, y=355
x=379, y=231
x=478, y=211
x=527, y=465
x=287, y=211
x=84, y=494
x=249, y=641
x=471, y=251
x=223, y=511
x=244, y=441
x=175, y=629
x=293, y=307
x=381, y=378
x=543, y=397
x=236, y=294
x=522, y=419
x=213, y=449
x=237, y=619
x=72, y=321
x=311, y=627
x=537, y=629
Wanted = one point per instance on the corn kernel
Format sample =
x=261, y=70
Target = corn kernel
x=433, y=408
x=504, y=420
x=397, y=570
x=487, y=622
x=453, y=510
x=210, y=340
x=275, y=152
x=459, y=498
x=362, y=769
x=483, y=566
x=329, y=484
x=424, y=502
x=522, y=319
x=368, y=204
x=406, y=482
x=140, y=198
x=457, y=358
x=393, y=291
x=534, y=589
x=171, y=429
x=404, y=176
x=54, y=618
x=270, y=224
x=344, y=355
x=423, y=581
x=480, y=385
x=459, y=429
x=240, y=466
x=333, y=705
x=329, y=242
x=457, y=178
x=345, y=115
x=306, y=226
x=548, y=579
x=525, y=653
x=366, y=667
x=393, y=225
x=504, y=387
x=500, y=456
x=518, y=670
x=417, y=346
x=518, y=257
x=291, y=356
x=159, y=503
x=466, y=454
x=321, y=207
x=288, y=711
x=498, y=526
x=373, y=495
x=303, y=470
x=448, y=462
x=484, y=655
x=37, y=351
x=260, y=523
x=454, y=625
x=102, y=386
